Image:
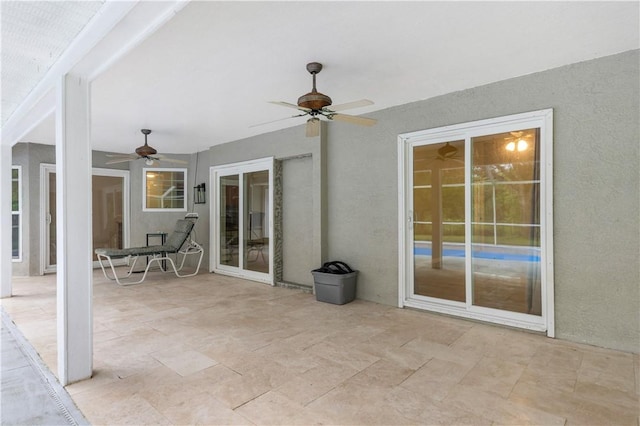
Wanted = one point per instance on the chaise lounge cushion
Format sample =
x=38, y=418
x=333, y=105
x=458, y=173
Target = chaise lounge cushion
x=174, y=243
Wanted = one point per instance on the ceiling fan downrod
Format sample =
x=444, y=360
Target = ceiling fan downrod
x=145, y=150
x=314, y=100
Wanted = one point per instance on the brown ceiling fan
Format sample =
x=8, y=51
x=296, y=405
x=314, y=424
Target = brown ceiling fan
x=316, y=105
x=146, y=152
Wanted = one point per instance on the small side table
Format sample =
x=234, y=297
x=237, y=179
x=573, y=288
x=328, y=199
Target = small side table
x=163, y=239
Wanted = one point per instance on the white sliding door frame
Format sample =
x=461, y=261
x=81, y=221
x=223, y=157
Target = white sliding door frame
x=45, y=218
x=215, y=173
x=543, y=120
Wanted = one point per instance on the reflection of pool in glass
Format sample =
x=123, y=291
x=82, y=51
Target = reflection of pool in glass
x=503, y=277
x=508, y=253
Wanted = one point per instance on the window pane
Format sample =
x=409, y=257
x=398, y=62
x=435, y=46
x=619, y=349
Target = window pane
x=107, y=212
x=229, y=220
x=483, y=203
x=53, y=223
x=15, y=234
x=15, y=190
x=506, y=214
x=453, y=204
x=256, y=221
x=438, y=220
x=165, y=189
x=422, y=204
x=516, y=203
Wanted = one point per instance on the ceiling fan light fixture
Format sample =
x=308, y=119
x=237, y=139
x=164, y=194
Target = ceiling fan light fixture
x=520, y=145
x=313, y=127
x=447, y=150
x=148, y=162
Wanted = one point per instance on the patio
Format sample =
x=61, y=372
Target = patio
x=218, y=350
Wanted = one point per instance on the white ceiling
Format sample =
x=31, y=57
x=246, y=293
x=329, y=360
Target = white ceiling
x=34, y=35
x=205, y=77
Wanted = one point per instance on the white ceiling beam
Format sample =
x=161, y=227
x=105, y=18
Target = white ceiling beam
x=116, y=28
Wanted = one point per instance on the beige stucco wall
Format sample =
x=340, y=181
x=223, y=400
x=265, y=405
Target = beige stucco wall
x=596, y=181
x=354, y=190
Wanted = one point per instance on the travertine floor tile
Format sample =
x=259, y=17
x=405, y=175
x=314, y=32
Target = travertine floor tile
x=575, y=409
x=203, y=409
x=497, y=409
x=494, y=375
x=317, y=381
x=184, y=362
x=346, y=356
x=273, y=408
x=219, y=350
x=357, y=405
x=436, y=378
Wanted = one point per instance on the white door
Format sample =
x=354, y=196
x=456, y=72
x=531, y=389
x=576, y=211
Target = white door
x=241, y=215
x=475, y=209
x=110, y=211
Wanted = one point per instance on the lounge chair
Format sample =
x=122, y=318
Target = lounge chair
x=174, y=245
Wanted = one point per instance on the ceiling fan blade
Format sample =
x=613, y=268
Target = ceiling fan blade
x=132, y=156
x=275, y=121
x=290, y=105
x=362, y=121
x=120, y=160
x=313, y=127
x=349, y=105
x=164, y=159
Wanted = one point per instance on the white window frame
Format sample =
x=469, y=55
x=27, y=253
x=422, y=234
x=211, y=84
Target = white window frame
x=144, y=189
x=17, y=213
x=542, y=119
x=215, y=173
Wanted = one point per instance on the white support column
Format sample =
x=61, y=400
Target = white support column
x=5, y=219
x=74, y=241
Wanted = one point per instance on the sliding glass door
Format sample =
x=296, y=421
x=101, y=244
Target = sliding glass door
x=476, y=220
x=110, y=212
x=242, y=241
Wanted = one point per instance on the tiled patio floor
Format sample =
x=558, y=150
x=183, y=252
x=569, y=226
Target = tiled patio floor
x=219, y=350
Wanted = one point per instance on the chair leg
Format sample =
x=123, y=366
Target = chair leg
x=192, y=248
x=115, y=276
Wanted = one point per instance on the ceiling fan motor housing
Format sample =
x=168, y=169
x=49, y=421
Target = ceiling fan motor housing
x=145, y=150
x=314, y=101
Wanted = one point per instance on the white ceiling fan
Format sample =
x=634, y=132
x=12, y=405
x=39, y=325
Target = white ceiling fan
x=146, y=152
x=316, y=105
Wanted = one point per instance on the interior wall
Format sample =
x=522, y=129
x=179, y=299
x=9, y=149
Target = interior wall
x=297, y=208
x=158, y=221
x=30, y=156
x=288, y=145
x=596, y=199
x=596, y=221
x=596, y=182
x=198, y=174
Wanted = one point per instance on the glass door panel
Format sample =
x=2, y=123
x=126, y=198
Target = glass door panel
x=256, y=221
x=505, y=204
x=107, y=212
x=109, y=194
x=229, y=220
x=241, y=240
x=439, y=221
x=51, y=225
